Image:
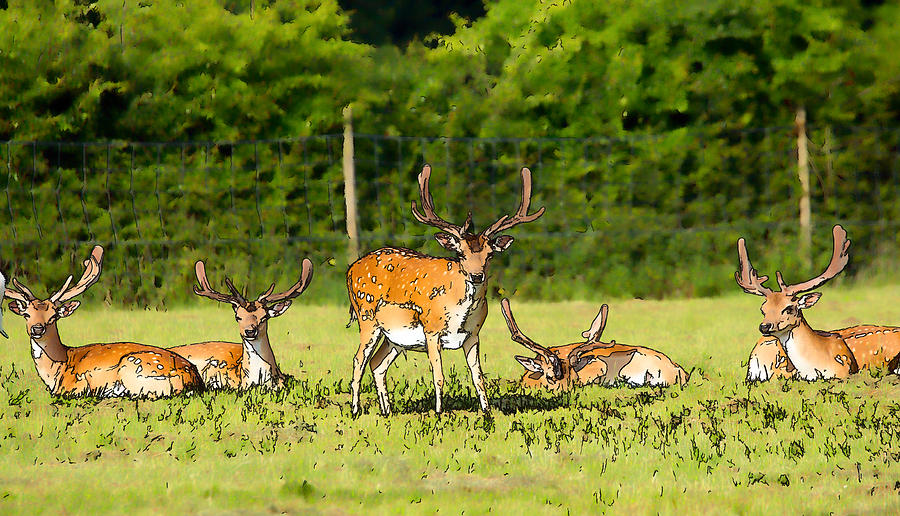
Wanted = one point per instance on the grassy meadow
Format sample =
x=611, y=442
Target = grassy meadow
x=716, y=446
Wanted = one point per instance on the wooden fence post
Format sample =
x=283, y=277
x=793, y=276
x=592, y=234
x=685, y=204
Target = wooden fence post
x=803, y=173
x=350, y=187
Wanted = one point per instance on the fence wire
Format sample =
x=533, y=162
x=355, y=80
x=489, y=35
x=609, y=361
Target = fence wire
x=651, y=215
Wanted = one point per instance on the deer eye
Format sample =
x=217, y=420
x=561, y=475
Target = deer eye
x=789, y=310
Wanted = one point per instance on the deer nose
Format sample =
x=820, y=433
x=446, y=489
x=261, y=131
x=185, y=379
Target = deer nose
x=765, y=328
x=251, y=333
x=38, y=330
x=477, y=278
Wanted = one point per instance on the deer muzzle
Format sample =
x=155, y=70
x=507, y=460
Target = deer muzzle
x=38, y=330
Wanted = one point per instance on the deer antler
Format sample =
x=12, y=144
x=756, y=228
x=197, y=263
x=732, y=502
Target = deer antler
x=294, y=291
x=747, y=277
x=205, y=290
x=517, y=336
x=238, y=296
x=92, y=269
x=592, y=335
x=429, y=216
x=505, y=222
x=599, y=324
x=839, y=259
x=19, y=292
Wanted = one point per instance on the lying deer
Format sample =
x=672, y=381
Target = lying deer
x=790, y=347
x=252, y=362
x=426, y=303
x=103, y=370
x=592, y=361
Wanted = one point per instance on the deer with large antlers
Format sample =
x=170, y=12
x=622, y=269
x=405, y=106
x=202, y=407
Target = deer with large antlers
x=252, y=362
x=591, y=361
x=425, y=303
x=103, y=370
x=790, y=347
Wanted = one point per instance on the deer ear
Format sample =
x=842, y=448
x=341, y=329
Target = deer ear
x=808, y=300
x=278, y=308
x=448, y=241
x=17, y=307
x=530, y=364
x=67, y=309
x=501, y=243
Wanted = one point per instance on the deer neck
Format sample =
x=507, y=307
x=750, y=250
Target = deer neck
x=50, y=356
x=257, y=360
x=813, y=353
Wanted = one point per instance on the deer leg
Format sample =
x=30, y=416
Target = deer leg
x=381, y=361
x=470, y=348
x=767, y=360
x=433, y=346
x=369, y=336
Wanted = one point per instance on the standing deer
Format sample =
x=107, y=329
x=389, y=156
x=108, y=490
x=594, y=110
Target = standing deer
x=103, y=370
x=425, y=303
x=241, y=366
x=592, y=361
x=796, y=349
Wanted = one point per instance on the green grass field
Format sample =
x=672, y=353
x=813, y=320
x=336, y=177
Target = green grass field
x=716, y=446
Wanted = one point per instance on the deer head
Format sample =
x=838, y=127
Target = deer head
x=474, y=250
x=782, y=311
x=41, y=315
x=252, y=315
x=554, y=373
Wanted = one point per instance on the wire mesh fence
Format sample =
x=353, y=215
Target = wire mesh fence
x=646, y=216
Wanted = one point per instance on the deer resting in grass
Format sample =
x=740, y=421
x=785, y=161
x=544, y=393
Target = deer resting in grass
x=411, y=301
x=252, y=362
x=592, y=361
x=790, y=347
x=103, y=370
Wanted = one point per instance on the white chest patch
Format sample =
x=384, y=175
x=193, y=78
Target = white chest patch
x=257, y=370
x=806, y=369
x=36, y=350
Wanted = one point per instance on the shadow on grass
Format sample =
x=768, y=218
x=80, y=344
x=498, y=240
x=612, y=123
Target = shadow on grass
x=505, y=403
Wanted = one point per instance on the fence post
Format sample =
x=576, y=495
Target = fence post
x=350, y=187
x=803, y=172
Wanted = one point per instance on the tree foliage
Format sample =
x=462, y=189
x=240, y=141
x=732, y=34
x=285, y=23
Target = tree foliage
x=658, y=131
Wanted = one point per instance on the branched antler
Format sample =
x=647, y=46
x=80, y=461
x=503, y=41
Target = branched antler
x=295, y=290
x=92, y=269
x=517, y=336
x=521, y=216
x=206, y=291
x=748, y=279
x=429, y=217
x=746, y=276
x=839, y=258
x=592, y=335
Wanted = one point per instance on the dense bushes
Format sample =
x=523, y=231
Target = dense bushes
x=639, y=119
